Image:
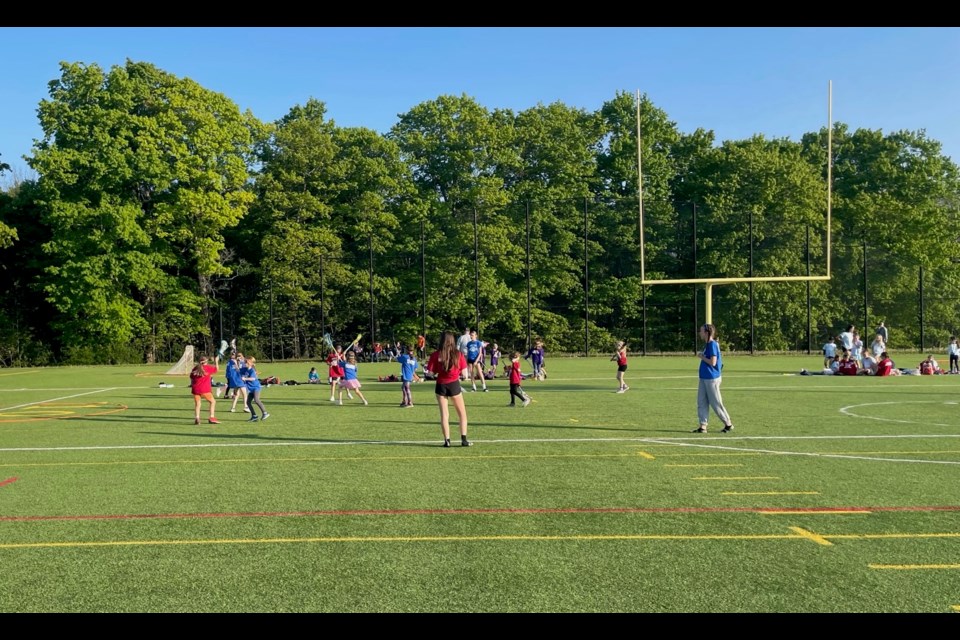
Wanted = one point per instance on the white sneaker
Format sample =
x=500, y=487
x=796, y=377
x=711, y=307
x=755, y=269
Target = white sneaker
x=526, y=402
x=233, y=410
x=340, y=401
x=349, y=395
x=332, y=399
x=264, y=416
x=247, y=409
x=619, y=390
x=219, y=391
x=365, y=403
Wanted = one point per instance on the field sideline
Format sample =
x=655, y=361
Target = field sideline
x=831, y=495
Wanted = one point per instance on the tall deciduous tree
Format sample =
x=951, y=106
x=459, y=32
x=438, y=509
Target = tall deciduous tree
x=459, y=152
x=140, y=172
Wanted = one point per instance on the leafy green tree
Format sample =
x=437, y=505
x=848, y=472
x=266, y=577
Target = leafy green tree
x=458, y=153
x=767, y=185
x=898, y=195
x=140, y=173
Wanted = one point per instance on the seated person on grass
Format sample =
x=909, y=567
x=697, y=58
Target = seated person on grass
x=885, y=366
x=847, y=366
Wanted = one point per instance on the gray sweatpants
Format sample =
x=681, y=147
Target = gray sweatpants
x=708, y=395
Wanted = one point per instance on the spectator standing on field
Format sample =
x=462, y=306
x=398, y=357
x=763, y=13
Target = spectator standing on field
x=953, y=350
x=846, y=338
x=882, y=331
x=829, y=352
x=708, y=392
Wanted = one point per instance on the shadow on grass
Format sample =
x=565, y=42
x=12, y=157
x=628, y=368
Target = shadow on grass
x=266, y=437
x=565, y=427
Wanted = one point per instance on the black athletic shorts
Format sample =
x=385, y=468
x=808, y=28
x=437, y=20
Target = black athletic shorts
x=448, y=390
x=621, y=367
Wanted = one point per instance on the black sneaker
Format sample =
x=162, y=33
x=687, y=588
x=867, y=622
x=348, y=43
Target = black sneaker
x=727, y=429
x=699, y=430
x=446, y=443
x=465, y=443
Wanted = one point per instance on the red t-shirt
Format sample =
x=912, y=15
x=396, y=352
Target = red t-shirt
x=515, y=377
x=446, y=377
x=621, y=358
x=884, y=367
x=201, y=384
x=336, y=371
x=848, y=368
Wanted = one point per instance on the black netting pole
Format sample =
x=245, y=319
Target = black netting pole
x=423, y=281
x=586, y=284
x=529, y=343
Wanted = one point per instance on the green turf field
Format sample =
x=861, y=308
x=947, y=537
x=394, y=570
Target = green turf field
x=832, y=494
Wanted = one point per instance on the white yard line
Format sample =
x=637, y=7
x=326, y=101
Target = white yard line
x=76, y=395
x=682, y=441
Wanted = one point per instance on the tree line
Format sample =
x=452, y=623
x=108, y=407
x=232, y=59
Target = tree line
x=162, y=215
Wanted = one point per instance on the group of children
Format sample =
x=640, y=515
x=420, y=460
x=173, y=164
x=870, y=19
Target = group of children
x=875, y=361
x=242, y=380
x=342, y=374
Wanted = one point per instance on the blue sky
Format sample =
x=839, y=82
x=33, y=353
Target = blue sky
x=734, y=81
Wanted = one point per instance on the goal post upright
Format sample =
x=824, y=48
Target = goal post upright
x=709, y=283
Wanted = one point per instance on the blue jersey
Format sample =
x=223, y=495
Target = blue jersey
x=706, y=371
x=408, y=364
x=313, y=375
x=254, y=383
x=349, y=370
x=473, y=350
x=233, y=375
x=535, y=355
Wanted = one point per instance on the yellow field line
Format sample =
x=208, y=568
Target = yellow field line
x=321, y=459
x=736, y=478
x=809, y=535
x=955, y=607
x=644, y=454
x=680, y=466
x=769, y=493
x=799, y=533
x=881, y=536
x=532, y=538
x=916, y=566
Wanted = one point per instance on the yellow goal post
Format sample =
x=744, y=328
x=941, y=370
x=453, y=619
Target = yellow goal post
x=709, y=283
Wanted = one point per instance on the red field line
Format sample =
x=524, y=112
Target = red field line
x=9, y=481
x=415, y=512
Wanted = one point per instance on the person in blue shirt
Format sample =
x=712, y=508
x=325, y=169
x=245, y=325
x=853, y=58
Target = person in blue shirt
x=408, y=368
x=708, y=392
x=249, y=376
x=535, y=354
x=474, y=363
x=313, y=377
x=234, y=382
x=350, y=380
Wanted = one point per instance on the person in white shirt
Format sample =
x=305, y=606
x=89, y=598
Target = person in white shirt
x=879, y=346
x=462, y=343
x=868, y=365
x=857, y=353
x=829, y=351
x=882, y=330
x=847, y=338
x=953, y=350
